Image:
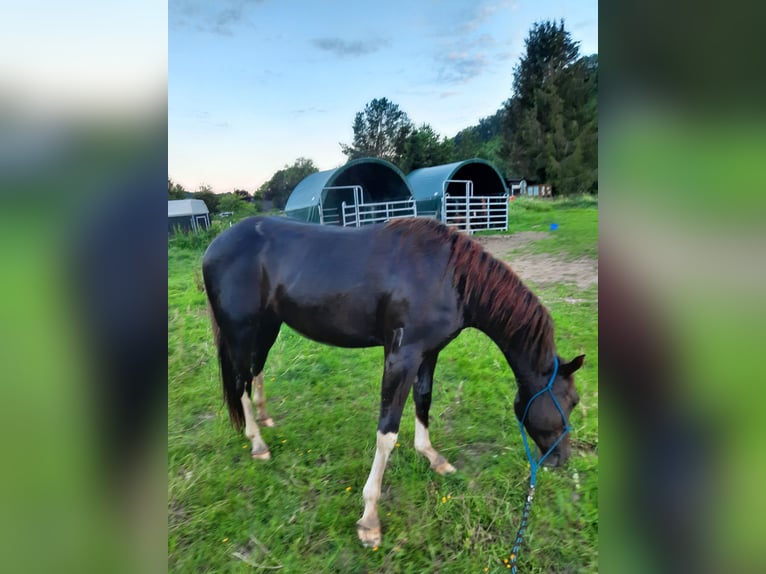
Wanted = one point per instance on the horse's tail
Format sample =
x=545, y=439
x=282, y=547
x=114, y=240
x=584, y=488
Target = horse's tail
x=232, y=387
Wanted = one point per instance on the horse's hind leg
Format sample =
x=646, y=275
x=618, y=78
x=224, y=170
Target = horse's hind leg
x=259, y=449
x=421, y=393
x=259, y=398
x=266, y=334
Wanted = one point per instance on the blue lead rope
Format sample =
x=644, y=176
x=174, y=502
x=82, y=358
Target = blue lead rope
x=535, y=464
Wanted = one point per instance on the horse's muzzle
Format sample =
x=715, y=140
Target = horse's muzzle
x=558, y=457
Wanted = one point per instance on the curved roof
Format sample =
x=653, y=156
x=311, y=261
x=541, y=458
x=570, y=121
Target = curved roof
x=427, y=182
x=182, y=207
x=380, y=179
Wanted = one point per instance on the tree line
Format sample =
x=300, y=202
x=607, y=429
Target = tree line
x=546, y=132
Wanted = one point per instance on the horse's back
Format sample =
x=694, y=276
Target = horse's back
x=252, y=234
x=342, y=286
x=304, y=274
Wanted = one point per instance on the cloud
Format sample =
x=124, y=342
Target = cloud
x=349, y=48
x=205, y=120
x=461, y=67
x=584, y=24
x=473, y=59
x=484, y=12
x=309, y=110
x=203, y=17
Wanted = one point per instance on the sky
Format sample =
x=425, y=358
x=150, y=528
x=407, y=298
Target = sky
x=81, y=57
x=255, y=84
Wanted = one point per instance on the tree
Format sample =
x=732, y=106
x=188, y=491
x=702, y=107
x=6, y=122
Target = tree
x=380, y=130
x=243, y=195
x=176, y=190
x=205, y=193
x=424, y=148
x=228, y=202
x=550, y=49
x=236, y=204
x=282, y=183
x=483, y=140
x=550, y=131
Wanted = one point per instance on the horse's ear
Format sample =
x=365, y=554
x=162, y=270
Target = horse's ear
x=567, y=369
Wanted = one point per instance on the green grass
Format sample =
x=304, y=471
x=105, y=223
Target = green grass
x=576, y=217
x=296, y=513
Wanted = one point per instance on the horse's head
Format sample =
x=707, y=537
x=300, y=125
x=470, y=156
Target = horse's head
x=544, y=422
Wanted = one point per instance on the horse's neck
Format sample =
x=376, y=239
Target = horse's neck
x=523, y=369
x=511, y=347
x=515, y=320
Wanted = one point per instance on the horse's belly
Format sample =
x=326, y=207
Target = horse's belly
x=333, y=324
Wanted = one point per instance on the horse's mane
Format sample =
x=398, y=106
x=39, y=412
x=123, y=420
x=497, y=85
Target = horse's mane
x=490, y=288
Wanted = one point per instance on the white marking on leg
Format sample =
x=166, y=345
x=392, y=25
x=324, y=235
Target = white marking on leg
x=368, y=527
x=259, y=450
x=259, y=398
x=423, y=446
x=397, y=340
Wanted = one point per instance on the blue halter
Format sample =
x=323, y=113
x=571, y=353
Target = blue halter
x=535, y=464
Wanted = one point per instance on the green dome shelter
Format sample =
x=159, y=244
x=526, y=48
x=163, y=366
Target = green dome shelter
x=469, y=194
x=363, y=191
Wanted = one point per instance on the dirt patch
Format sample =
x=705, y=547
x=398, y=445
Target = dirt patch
x=501, y=245
x=540, y=269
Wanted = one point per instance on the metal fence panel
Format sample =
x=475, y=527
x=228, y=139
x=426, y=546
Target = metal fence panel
x=356, y=215
x=476, y=213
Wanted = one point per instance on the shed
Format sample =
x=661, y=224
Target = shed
x=538, y=190
x=517, y=185
x=469, y=194
x=187, y=215
x=364, y=190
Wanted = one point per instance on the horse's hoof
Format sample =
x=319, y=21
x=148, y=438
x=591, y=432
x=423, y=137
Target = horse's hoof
x=369, y=537
x=445, y=468
x=261, y=455
x=267, y=422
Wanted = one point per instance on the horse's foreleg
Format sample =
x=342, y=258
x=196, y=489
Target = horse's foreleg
x=260, y=450
x=259, y=398
x=398, y=376
x=368, y=527
x=421, y=393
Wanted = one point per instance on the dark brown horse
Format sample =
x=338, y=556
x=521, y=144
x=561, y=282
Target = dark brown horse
x=410, y=285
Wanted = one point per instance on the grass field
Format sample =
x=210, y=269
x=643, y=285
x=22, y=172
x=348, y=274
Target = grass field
x=297, y=511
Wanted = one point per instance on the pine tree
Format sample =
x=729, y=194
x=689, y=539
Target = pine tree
x=550, y=130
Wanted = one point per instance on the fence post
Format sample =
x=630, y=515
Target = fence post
x=467, y=211
x=357, y=199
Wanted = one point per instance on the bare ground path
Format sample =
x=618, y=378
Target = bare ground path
x=537, y=268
